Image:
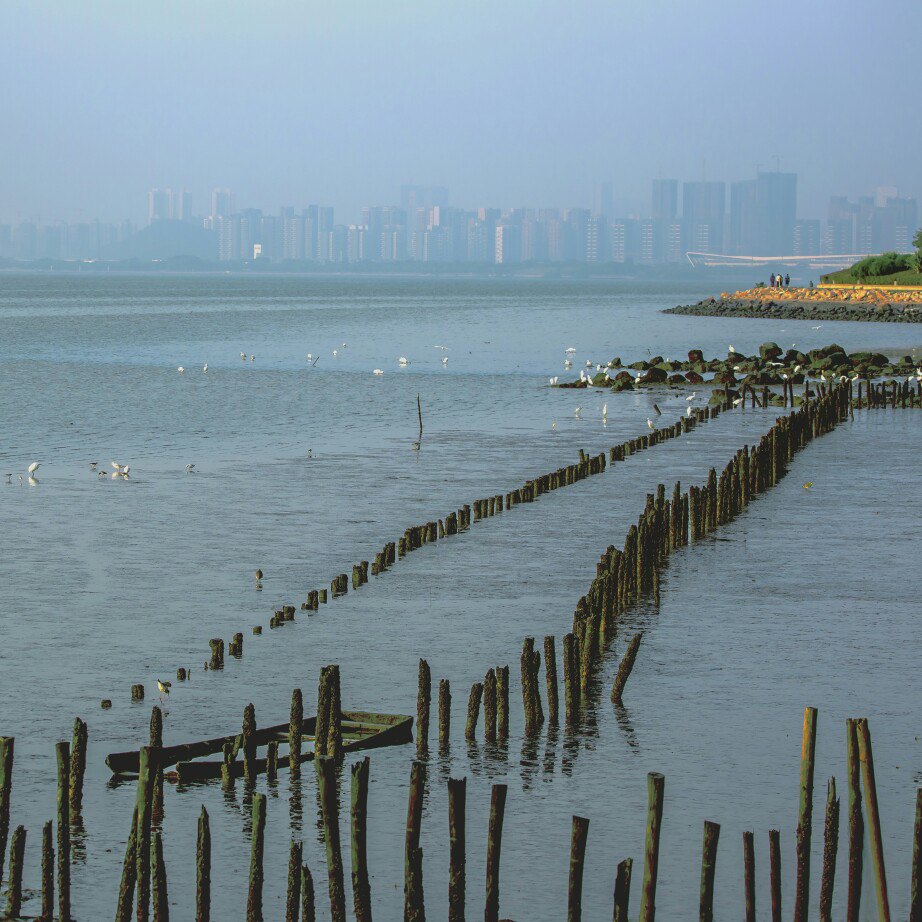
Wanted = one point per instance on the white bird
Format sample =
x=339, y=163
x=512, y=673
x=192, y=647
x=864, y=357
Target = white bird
x=116, y=465
x=738, y=401
x=605, y=410
x=784, y=377
x=692, y=397
x=797, y=369
x=589, y=363
x=180, y=369
x=553, y=381
x=310, y=355
x=650, y=425
x=163, y=687
x=33, y=467
x=378, y=371
x=190, y=468
x=93, y=465
x=582, y=376
x=344, y=345
x=567, y=364
x=688, y=410
x=403, y=360
x=730, y=349
x=445, y=360
x=554, y=424
x=736, y=368
x=243, y=356
x=577, y=412
x=335, y=353
x=252, y=358
x=205, y=367
x=570, y=350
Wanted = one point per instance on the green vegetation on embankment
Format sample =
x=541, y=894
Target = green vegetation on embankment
x=886, y=269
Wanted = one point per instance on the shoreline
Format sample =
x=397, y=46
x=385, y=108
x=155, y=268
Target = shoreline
x=866, y=305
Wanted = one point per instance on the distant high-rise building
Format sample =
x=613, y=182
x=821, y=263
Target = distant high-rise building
x=603, y=201
x=597, y=239
x=222, y=203
x=625, y=240
x=183, y=205
x=159, y=205
x=806, y=238
x=665, y=200
x=413, y=197
x=703, y=207
x=762, y=215
x=508, y=244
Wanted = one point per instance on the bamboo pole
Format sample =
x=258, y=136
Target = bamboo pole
x=578, y=837
x=622, y=890
x=494, y=848
x=708, y=870
x=457, y=796
x=656, y=785
x=866, y=755
x=361, y=890
x=855, y=823
x=831, y=845
x=203, y=869
x=805, y=816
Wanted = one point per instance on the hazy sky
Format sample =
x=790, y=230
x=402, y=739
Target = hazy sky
x=507, y=102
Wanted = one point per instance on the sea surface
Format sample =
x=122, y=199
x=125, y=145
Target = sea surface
x=306, y=466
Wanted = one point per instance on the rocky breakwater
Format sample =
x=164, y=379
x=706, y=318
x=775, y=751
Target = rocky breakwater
x=825, y=302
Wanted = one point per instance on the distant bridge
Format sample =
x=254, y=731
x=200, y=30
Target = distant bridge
x=825, y=263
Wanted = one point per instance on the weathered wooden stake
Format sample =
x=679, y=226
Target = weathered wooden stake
x=708, y=870
x=623, y=890
x=423, y=701
x=203, y=869
x=578, y=836
x=502, y=702
x=361, y=890
x=326, y=776
x=656, y=785
x=831, y=845
x=295, y=853
x=415, y=910
x=625, y=667
x=307, y=895
x=129, y=875
x=489, y=706
x=255, y=891
x=749, y=875
x=915, y=886
x=17, y=853
x=494, y=847
x=414, y=826
x=870, y=792
x=63, y=752
x=805, y=817
x=774, y=857
x=457, y=788
x=249, y=744
x=550, y=672
x=473, y=711
x=295, y=723
x=272, y=760
x=156, y=742
x=48, y=873
x=7, y=745
x=77, y=765
x=444, y=713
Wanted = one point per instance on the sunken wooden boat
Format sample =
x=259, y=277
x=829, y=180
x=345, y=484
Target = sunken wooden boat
x=360, y=730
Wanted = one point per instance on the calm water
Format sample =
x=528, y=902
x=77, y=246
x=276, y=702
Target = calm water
x=808, y=598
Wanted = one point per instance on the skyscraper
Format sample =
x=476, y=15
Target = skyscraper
x=222, y=203
x=159, y=205
x=183, y=205
x=762, y=215
x=665, y=200
x=413, y=197
x=603, y=202
x=703, y=206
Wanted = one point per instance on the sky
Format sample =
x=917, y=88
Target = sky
x=506, y=102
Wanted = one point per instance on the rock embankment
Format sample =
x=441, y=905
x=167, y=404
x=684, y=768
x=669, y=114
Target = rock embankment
x=823, y=303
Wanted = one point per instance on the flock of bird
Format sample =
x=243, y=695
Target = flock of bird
x=119, y=472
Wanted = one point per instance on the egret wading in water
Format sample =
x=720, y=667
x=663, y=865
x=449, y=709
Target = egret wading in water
x=577, y=412
x=205, y=368
x=692, y=397
x=33, y=467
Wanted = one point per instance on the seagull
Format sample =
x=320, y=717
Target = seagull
x=554, y=424
x=378, y=372
x=310, y=355
x=605, y=410
x=335, y=353
x=738, y=401
x=589, y=363
x=118, y=467
x=552, y=381
x=403, y=361
x=731, y=349
x=252, y=358
x=650, y=425
x=33, y=467
x=180, y=369
x=190, y=468
x=577, y=412
x=444, y=359
x=243, y=356
x=570, y=350
x=164, y=687
x=344, y=345
x=567, y=364
x=205, y=367
x=692, y=397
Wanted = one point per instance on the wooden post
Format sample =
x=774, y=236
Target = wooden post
x=272, y=760
x=415, y=910
x=494, y=847
x=774, y=857
x=708, y=869
x=249, y=744
x=502, y=702
x=48, y=872
x=158, y=875
x=489, y=706
x=128, y=880
x=326, y=777
x=17, y=853
x=656, y=785
x=255, y=891
x=423, y=700
x=361, y=890
x=915, y=887
x=203, y=869
x=444, y=713
x=7, y=744
x=63, y=752
x=456, y=847
x=307, y=895
x=550, y=672
x=295, y=853
x=414, y=826
x=571, y=689
x=805, y=817
x=473, y=711
x=295, y=723
x=625, y=667
x=77, y=765
x=870, y=792
x=749, y=875
x=622, y=890
x=831, y=845
x=578, y=836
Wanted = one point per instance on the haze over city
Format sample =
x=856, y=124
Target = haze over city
x=510, y=105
